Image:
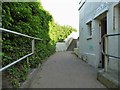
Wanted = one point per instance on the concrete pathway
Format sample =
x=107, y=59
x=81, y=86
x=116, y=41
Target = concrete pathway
x=65, y=70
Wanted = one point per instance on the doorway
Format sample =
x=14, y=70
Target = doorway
x=103, y=30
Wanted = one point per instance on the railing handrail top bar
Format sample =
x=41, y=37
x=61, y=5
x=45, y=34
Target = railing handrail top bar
x=13, y=32
x=107, y=35
x=113, y=34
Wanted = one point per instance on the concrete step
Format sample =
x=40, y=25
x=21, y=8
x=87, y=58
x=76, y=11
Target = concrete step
x=110, y=79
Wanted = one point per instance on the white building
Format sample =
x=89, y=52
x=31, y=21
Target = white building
x=97, y=19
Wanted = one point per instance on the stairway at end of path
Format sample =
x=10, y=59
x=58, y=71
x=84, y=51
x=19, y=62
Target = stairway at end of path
x=72, y=45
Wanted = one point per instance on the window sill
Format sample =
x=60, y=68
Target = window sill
x=90, y=37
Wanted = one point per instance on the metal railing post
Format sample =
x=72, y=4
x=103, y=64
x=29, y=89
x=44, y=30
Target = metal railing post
x=28, y=61
x=33, y=45
x=106, y=52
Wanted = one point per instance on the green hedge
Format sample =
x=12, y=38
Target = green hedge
x=28, y=18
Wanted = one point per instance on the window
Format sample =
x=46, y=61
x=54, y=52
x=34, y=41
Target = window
x=90, y=28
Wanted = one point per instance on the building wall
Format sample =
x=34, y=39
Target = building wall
x=89, y=47
x=113, y=41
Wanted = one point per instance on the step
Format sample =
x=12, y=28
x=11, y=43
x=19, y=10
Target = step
x=109, y=79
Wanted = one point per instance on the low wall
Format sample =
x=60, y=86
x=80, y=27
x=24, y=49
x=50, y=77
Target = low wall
x=60, y=46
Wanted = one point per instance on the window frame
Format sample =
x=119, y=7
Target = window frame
x=89, y=29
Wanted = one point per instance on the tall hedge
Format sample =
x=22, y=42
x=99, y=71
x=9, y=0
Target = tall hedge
x=28, y=18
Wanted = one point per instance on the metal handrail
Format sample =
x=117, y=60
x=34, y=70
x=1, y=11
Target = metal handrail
x=108, y=35
x=105, y=53
x=20, y=34
x=33, y=47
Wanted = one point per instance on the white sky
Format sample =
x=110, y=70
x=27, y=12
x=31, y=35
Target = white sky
x=64, y=12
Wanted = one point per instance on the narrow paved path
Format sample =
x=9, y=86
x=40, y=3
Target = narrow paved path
x=65, y=70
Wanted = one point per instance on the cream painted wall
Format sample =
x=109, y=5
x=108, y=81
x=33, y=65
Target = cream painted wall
x=90, y=49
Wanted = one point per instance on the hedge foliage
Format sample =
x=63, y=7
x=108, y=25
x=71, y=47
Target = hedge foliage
x=28, y=18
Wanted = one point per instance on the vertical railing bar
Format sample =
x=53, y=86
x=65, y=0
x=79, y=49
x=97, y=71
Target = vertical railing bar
x=33, y=45
x=28, y=61
x=106, y=52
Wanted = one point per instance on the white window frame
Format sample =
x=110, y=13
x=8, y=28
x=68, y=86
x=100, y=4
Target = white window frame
x=90, y=31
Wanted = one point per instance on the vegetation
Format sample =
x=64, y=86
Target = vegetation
x=28, y=18
x=59, y=33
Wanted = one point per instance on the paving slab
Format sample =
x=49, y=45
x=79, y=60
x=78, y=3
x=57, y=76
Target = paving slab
x=65, y=70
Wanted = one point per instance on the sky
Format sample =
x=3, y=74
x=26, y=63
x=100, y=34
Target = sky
x=64, y=12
